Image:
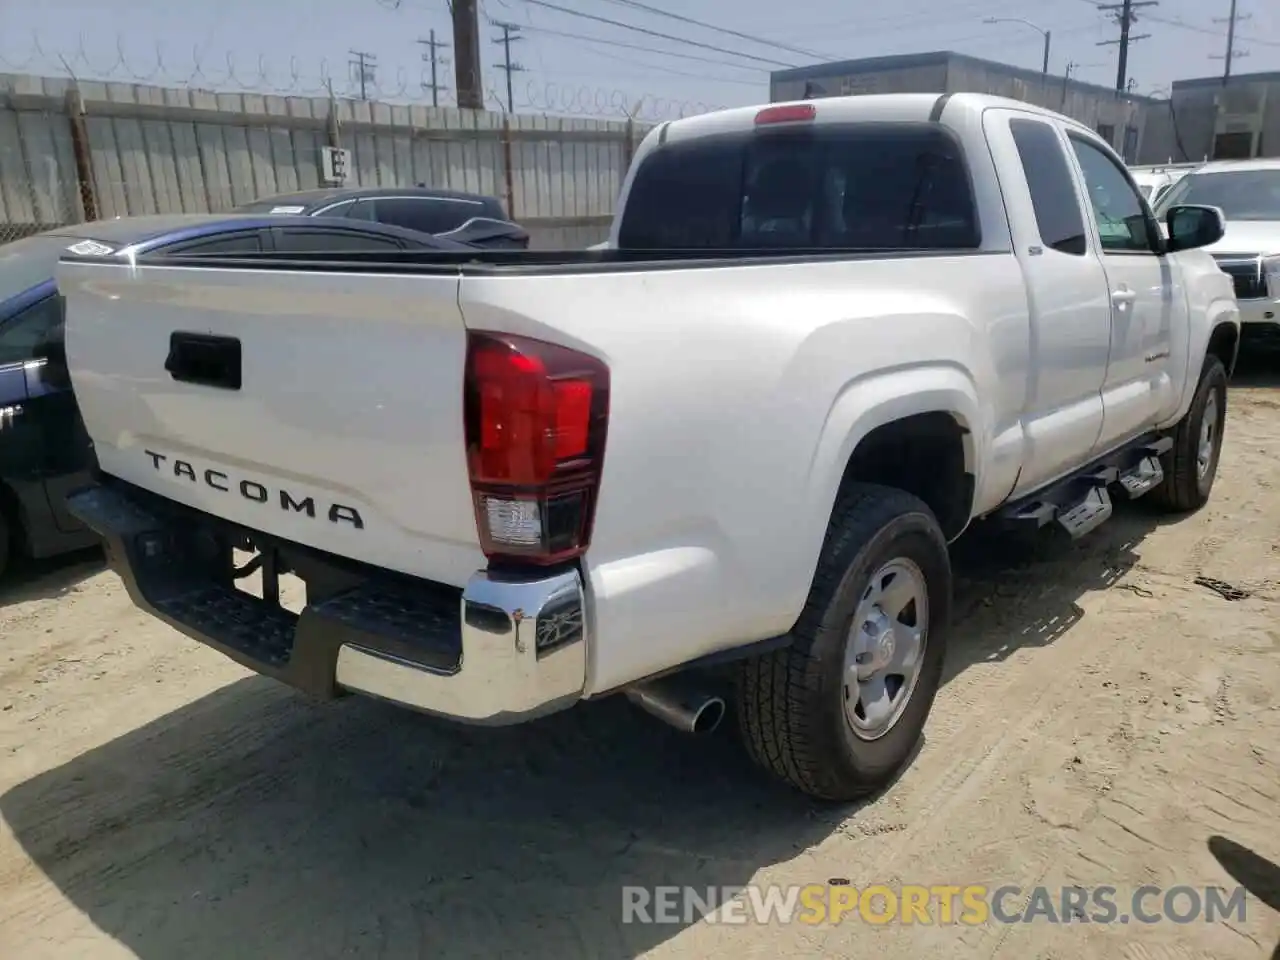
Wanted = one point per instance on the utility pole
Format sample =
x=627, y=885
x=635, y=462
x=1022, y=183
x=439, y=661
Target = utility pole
x=466, y=45
x=1232, y=53
x=363, y=66
x=510, y=32
x=432, y=44
x=1125, y=16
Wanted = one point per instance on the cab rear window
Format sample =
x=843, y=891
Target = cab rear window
x=851, y=187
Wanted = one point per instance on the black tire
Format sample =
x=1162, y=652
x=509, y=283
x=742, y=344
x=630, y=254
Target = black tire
x=791, y=703
x=1185, y=487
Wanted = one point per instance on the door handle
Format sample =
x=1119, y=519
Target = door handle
x=1122, y=298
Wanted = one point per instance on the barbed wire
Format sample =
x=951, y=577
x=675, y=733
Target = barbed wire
x=228, y=73
x=585, y=100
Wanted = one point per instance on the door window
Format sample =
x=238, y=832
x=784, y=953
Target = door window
x=30, y=334
x=1118, y=208
x=1053, y=193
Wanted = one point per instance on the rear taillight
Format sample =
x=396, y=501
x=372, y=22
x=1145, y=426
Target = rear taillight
x=536, y=415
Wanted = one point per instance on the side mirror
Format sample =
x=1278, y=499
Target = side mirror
x=1191, y=226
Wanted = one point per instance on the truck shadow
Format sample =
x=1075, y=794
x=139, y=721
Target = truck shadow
x=1258, y=364
x=254, y=823
x=49, y=579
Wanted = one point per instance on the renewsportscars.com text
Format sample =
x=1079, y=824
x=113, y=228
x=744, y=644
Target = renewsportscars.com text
x=970, y=905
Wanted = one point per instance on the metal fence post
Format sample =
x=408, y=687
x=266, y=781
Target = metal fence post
x=508, y=166
x=84, y=158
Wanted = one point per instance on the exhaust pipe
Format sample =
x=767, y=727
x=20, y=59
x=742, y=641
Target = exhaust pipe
x=675, y=703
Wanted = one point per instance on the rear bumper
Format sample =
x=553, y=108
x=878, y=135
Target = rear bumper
x=500, y=651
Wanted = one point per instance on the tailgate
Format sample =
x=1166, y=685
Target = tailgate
x=345, y=432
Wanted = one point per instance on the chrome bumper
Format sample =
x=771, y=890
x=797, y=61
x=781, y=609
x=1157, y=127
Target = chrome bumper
x=524, y=653
x=505, y=650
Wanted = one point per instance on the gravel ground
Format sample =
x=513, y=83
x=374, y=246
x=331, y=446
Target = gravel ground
x=1109, y=716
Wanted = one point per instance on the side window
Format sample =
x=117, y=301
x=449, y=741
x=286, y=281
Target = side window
x=219, y=246
x=1118, y=208
x=27, y=335
x=1053, y=191
x=331, y=241
x=426, y=214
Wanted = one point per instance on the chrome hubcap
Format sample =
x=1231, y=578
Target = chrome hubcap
x=1208, y=436
x=885, y=648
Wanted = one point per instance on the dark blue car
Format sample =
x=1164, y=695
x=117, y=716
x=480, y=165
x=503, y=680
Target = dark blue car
x=44, y=450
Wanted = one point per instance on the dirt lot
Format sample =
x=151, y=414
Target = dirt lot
x=1105, y=720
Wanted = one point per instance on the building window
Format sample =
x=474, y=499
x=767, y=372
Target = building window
x=1107, y=131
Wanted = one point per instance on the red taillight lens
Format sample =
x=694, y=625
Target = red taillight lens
x=536, y=415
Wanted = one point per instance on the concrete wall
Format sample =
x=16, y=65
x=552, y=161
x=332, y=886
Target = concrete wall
x=148, y=149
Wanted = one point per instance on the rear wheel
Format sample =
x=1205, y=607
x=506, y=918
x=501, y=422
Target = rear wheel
x=1192, y=464
x=839, y=712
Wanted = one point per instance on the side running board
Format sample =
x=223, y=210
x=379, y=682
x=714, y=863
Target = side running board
x=1082, y=502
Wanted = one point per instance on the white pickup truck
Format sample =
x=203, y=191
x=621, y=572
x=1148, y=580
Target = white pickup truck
x=827, y=336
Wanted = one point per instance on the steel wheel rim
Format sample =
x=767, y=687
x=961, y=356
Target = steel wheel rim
x=885, y=648
x=1208, y=435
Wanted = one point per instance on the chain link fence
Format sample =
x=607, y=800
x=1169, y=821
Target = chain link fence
x=39, y=189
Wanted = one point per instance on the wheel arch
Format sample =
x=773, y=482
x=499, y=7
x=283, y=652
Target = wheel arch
x=918, y=430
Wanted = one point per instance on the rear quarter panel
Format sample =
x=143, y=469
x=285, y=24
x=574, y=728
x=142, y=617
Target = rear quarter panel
x=738, y=394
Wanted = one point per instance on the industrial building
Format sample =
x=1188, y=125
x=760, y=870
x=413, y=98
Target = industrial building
x=1202, y=118
x=1207, y=118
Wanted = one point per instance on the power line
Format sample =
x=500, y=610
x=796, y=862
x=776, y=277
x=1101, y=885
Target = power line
x=510, y=33
x=656, y=11
x=1195, y=28
x=1209, y=31
x=432, y=44
x=637, y=46
x=655, y=33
